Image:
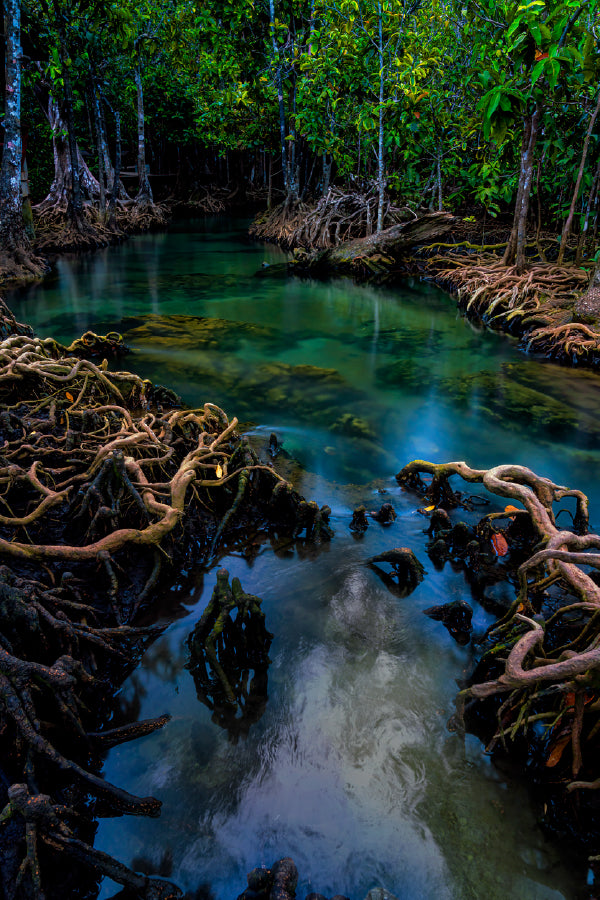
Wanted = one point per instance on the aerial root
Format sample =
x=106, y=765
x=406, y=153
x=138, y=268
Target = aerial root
x=105, y=483
x=339, y=216
x=545, y=652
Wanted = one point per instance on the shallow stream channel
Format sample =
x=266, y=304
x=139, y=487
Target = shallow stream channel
x=348, y=766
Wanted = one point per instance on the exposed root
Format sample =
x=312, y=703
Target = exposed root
x=338, y=216
x=56, y=233
x=105, y=482
x=537, y=304
x=209, y=200
x=545, y=652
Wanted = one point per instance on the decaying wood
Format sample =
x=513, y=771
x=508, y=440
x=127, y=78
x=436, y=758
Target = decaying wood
x=366, y=255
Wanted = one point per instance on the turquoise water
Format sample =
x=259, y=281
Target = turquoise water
x=351, y=769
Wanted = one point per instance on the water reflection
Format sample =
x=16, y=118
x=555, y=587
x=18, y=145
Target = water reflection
x=349, y=768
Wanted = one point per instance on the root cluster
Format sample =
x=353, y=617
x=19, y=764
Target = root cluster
x=57, y=233
x=540, y=669
x=537, y=304
x=105, y=483
x=338, y=216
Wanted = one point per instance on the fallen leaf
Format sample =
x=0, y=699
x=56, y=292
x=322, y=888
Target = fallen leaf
x=499, y=544
x=69, y=396
x=429, y=508
x=558, y=750
x=219, y=471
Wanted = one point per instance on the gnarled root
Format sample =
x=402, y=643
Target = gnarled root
x=545, y=652
x=105, y=482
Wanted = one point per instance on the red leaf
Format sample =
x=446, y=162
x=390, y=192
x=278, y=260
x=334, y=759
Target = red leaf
x=499, y=544
x=557, y=750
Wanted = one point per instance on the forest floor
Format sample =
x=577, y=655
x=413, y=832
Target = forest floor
x=464, y=257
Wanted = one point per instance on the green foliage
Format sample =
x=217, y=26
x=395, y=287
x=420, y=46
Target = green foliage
x=458, y=80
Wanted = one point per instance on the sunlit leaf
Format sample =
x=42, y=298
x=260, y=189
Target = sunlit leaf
x=500, y=544
x=557, y=751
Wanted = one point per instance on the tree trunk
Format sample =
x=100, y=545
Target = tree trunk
x=12, y=232
x=100, y=148
x=75, y=202
x=587, y=307
x=515, y=250
x=60, y=189
x=591, y=205
x=327, y=163
x=144, y=196
x=279, y=86
x=270, y=192
x=380, y=150
x=117, y=174
x=392, y=243
x=568, y=224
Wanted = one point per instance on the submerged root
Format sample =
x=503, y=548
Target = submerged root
x=545, y=652
x=105, y=483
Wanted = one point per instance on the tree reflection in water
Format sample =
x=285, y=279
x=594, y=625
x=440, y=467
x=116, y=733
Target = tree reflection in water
x=229, y=659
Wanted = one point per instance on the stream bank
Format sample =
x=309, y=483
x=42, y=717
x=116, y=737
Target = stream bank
x=544, y=305
x=361, y=682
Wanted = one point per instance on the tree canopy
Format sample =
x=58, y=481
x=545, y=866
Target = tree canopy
x=469, y=106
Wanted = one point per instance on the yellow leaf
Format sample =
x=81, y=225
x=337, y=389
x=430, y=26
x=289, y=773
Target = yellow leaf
x=69, y=396
x=429, y=508
x=219, y=471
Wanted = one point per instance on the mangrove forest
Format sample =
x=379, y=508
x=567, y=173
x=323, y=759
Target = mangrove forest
x=299, y=443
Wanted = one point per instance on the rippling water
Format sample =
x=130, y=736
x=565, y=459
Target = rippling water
x=351, y=769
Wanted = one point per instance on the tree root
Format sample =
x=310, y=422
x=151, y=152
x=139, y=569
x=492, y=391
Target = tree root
x=537, y=304
x=104, y=486
x=339, y=216
x=225, y=650
x=545, y=652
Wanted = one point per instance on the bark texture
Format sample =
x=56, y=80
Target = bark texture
x=12, y=233
x=378, y=249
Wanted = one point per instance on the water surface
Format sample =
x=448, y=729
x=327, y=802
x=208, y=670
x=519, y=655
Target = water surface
x=351, y=769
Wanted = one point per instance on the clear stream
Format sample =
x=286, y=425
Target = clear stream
x=351, y=769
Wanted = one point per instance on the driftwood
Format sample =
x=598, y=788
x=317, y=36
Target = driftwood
x=376, y=253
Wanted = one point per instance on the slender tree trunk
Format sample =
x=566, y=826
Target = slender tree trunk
x=439, y=179
x=568, y=224
x=279, y=86
x=587, y=307
x=327, y=163
x=515, y=250
x=270, y=191
x=380, y=150
x=108, y=168
x=99, y=144
x=117, y=174
x=12, y=232
x=75, y=203
x=294, y=173
x=144, y=197
x=591, y=204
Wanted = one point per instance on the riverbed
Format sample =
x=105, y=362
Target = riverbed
x=349, y=767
